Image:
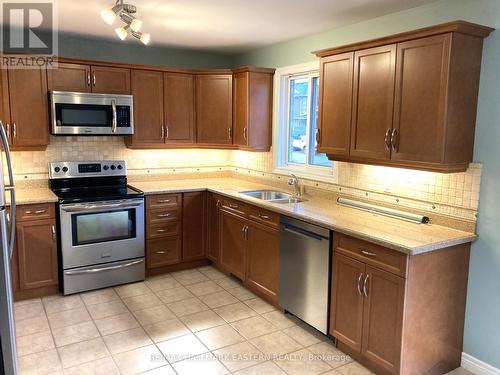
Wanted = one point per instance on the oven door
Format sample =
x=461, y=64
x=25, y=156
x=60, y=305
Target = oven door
x=91, y=114
x=101, y=232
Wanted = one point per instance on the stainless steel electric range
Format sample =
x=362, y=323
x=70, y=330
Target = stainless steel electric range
x=101, y=225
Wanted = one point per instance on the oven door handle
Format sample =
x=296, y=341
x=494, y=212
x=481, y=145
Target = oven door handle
x=98, y=207
x=104, y=269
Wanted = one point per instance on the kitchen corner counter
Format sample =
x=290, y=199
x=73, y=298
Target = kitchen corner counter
x=33, y=196
x=409, y=238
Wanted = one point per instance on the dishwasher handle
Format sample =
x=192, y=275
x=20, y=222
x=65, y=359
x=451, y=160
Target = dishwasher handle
x=303, y=233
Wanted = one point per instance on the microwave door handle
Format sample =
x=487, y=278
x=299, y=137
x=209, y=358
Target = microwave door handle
x=115, y=120
x=9, y=188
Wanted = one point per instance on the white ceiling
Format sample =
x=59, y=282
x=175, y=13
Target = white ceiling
x=227, y=25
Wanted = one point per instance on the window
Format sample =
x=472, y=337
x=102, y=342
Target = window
x=297, y=122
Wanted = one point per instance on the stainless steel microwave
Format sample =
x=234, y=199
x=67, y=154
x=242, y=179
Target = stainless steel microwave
x=77, y=113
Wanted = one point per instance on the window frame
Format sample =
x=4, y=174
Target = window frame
x=281, y=115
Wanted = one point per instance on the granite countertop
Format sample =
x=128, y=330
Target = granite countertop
x=395, y=234
x=33, y=196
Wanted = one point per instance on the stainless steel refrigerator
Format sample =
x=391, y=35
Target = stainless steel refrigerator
x=8, y=355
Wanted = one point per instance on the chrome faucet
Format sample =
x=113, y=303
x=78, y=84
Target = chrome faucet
x=294, y=181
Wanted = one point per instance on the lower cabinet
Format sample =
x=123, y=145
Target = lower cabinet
x=194, y=228
x=233, y=243
x=162, y=252
x=213, y=224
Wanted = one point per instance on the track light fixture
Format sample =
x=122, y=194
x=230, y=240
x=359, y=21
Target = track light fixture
x=132, y=25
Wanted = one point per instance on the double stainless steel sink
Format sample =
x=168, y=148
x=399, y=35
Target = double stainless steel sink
x=273, y=196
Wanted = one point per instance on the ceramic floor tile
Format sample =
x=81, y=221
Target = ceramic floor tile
x=175, y=294
x=35, y=343
x=32, y=310
x=265, y=368
x=218, y=299
x=211, y=273
x=82, y=352
x=354, y=368
x=164, y=370
x=203, y=288
x=127, y=340
x=218, y=337
x=181, y=348
x=254, y=327
x=142, y=302
x=228, y=282
x=280, y=320
x=202, y=320
x=276, y=343
x=104, y=366
x=205, y=364
x=259, y=305
x=116, y=323
x=27, y=301
x=58, y=304
x=239, y=356
x=32, y=325
x=302, y=362
x=234, y=312
x=166, y=330
x=107, y=309
x=99, y=296
x=330, y=354
x=241, y=293
x=130, y=290
x=460, y=371
x=153, y=315
x=304, y=335
x=189, y=277
x=139, y=360
x=187, y=306
x=75, y=333
x=68, y=317
x=162, y=283
x=42, y=363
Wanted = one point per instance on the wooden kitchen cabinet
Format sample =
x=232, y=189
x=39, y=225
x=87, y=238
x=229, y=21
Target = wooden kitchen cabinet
x=163, y=251
x=179, y=108
x=25, y=108
x=252, y=108
x=194, y=225
x=214, y=101
x=213, y=231
x=411, y=101
x=89, y=78
x=233, y=244
x=147, y=89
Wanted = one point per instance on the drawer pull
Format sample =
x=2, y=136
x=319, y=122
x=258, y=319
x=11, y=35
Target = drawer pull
x=163, y=201
x=163, y=215
x=161, y=252
x=161, y=230
x=265, y=217
x=233, y=205
x=368, y=253
x=36, y=212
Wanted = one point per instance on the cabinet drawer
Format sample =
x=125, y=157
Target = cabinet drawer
x=264, y=216
x=162, y=215
x=375, y=255
x=35, y=211
x=162, y=230
x=163, y=251
x=163, y=200
x=237, y=207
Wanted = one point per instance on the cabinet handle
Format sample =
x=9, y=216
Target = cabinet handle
x=161, y=252
x=365, y=285
x=163, y=200
x=36, y=212
x=245, y=133
x=218, y=203
x=394, y=140
x=93, y=79
x=88, y=78
x=7, y=126
x=318, y=137
x=233, y=205
x=229, y=133
x=368, y=253
x=161, y=230
x=243, y=231
x=54, y=237
x=14, y=130
x=359, y=284
x=167, y=132
x=265, y=217
x=246, y=232
x=162, y=132
x=387, y=139
x=163, y=215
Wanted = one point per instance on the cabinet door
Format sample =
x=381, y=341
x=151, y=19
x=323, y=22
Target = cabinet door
x=28, y=107
x=383, y=318
x=179, y=108
x=335, y=104
x=213, y=203
x=4, y=99
x=373, y=101
x=346, y=303
x=232, y=244
x=37, y=253
x=262, y=260
x=70, y=77
x=214, y=109
x=420, y=102
x=147, y=89
x=194, y=222
x=163, y=251
x=110, y=80
x=240, y=108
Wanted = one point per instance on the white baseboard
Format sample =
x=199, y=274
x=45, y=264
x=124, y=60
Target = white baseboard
x=477, y=366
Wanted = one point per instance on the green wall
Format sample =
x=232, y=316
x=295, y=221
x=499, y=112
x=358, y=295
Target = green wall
x=482, y=328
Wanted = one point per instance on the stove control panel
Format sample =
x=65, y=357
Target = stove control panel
x=75, y=169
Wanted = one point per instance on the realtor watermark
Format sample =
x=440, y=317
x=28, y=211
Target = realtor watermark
x=29, y=37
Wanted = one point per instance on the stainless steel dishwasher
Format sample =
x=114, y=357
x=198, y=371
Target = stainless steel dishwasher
x=304, y=271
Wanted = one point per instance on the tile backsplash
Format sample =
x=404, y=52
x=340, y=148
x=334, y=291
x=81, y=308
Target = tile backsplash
x=455, y=194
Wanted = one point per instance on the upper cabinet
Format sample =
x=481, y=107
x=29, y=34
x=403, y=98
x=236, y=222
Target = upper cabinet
x=89, y=78
x=407, y=100
x=214, y=114
x=178, y=96
x=252, y=108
